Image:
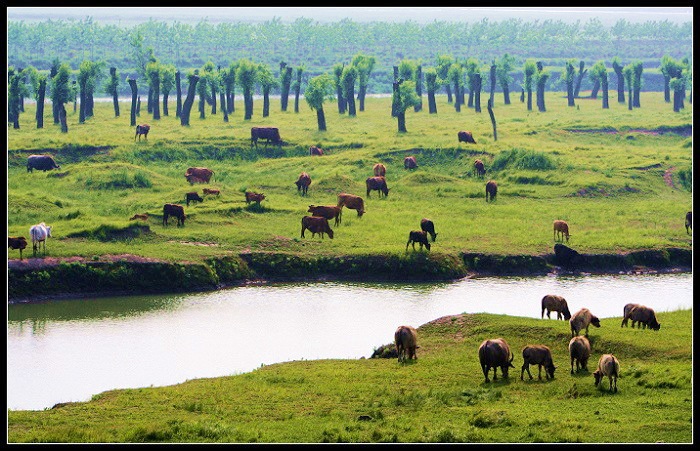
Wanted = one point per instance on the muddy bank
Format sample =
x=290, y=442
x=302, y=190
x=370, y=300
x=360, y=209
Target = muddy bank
x=43, y=279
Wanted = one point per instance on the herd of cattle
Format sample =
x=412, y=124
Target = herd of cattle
x=496, y=353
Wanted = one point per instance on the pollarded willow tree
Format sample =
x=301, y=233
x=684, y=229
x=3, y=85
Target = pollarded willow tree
x=246, y=76
x=568, y=76
x=37, y=81
x=153, y=75
x=638, y=68
x=347, y=80
x=670, y=68
x=230, y=86
x=205, y=88
x=678, y=85
x=338, y=77
x=61, y=93
x=579, y=78
x=134, y=98
x=599, y=75
x=112, y=88
x=541, y=77
x=618, y=68
x=285, y=83
x=529, y=69
x=471, y=68
x=296, y=86
x=193, y=81
x=405, y=98
x=432, y=84
x=504, y=66
x=456, y=76
x=442, y=67
x=13, y=94
x=318, y=90
x=267, y=81
x=364, y=64
x=628, y=72
x=167, y=83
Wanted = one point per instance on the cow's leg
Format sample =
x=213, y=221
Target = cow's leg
x=485, y=369
x=572, y=365
x=539, y=373
x=494, y=373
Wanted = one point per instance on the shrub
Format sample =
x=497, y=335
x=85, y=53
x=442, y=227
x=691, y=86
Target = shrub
x=685, y=176
x=522, y=159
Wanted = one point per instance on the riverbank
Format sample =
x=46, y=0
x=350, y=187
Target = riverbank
x=37, y=279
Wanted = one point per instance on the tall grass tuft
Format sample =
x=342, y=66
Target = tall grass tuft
x=522, y=159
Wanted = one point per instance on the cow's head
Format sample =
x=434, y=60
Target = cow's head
x=550, y=369
x=598, y=376
x=566, y=313
x=595, y=321
x=654, y=325
x=48, y=231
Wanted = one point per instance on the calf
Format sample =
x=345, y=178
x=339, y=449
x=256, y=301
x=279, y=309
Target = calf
x=608, y=365
x=193, y=196
x=580, y=351
x=479, y=168
x=213, y=192
x=582, y=319
x=494, y=354
x=539, y=355
x=254, y=197
x=465, y=137
x=175, y=210
x=379, y=170
x=142, y=129
x=555, y=303
x=316, y=224
x=410, y=162
x=352, y=202
x=561, y=229
x=313, y=150
x=39, y=233
x=303, y=182
x=378, y=184
x=17, y=242
x=689, y=222
x=491, y=190
x=139, y=216
x=641, y=314
x=406, y=341
x=418, y=236
x=327, y=211
x=427, y=225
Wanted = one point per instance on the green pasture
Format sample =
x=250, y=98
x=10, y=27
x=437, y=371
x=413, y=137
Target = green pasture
x=600, y=170
x=441, y=397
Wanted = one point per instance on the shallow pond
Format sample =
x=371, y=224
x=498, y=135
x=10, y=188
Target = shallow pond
x=69, y=350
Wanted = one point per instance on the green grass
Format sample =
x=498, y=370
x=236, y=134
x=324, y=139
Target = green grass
x=441, y=397
x=608, y=186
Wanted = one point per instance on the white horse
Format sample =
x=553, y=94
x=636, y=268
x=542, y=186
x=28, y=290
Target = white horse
x=39, y=233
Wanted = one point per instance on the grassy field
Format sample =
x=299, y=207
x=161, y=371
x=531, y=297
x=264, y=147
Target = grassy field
x=441, y=397
x=600, y=170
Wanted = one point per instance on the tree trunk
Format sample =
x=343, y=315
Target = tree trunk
x=62, y=118
x=432, y=106
x=40, y=105
x=676, y=101
x=178, y=94
x=522, y=95
x=449, y=93
x=492, y=81
x=189, y=100
x=620, y=85
x=138, y=106
x=477, y=93
x=529, y=99
x=394, y=98
x=156, y=103
x=83, y=105
x=506, y=95
x=361, y=96
x=493, y=120
x=149, y=103
x=596, y=88
x=402, y=121
x=222, y=98
x=54, y=110
x=115, y=102
x=213, y=100
x=202, y=114
x=321, y=118
x=165, y=103
x=419, y=89
x=581, y=74
x=341, y=100
x=458, y=103
x=667, y=90
x=352, y=112
x=232, y=100
x=286, y=83
x=630, y=103
x=266, y=102
x=570, y=93
x=470, y=101
x=604, y=83
x=134, y=91
x=248, y=104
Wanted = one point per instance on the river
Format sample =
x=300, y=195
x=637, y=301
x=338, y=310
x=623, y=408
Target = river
x=69, y=350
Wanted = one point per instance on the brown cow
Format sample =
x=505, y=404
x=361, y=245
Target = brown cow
x=465, y=137
x=555, y=303
x=214, y=192
x=491, y=190
x=406, y=341
x=17, y=242
x=420, y=237
x=251, y=196
x=316, y=224
x=303, y=182
x=193, y=196
x=198, y=175
x=379, y=170
x=479, y=168
x=378, y=184
x=493, y=354
x=539, y=355
x=561, y=229
x=689, y=222
x=314, y=150
x=352, y=202
x=269, y=134
x=139, y=216
x=410, y=162
x=427, y=225
x=174, y=210
x=580, y=351
x=142, y=129
x=582, y=319
x=608, y=365
x=641, y=314
x=327, y=211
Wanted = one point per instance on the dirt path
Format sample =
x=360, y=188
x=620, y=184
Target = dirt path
x=668, y=177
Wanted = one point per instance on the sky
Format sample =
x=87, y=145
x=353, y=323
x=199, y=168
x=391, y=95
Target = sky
x=129, y=15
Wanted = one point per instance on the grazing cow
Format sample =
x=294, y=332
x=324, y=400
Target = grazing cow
x=327, y=211
x=254, y=197
x=582, y=319
x=420, y=237
x=427, y=225
x=314, y=150
x=142, y=129
x=211, y=191
x=561, y=229
x=39, y=233
x=410, y=162
x=41, y=163
x=378, y=184
x=689, y=222
x=175, y=210
x=352, y=202
x=555, y=303
x=139, y=216
x=379, y=170
x=406, y=341
x=491, y=190
x=465, y=137
x=493, y=354
x=17, y=242
x=269, y=134
x=303, y=182
x=641, y=314
x=316, y=224
x=539, y=355
x=193, y=196
x=608, y=365
x=479, y=168
x=198, y=175
x=579, y=351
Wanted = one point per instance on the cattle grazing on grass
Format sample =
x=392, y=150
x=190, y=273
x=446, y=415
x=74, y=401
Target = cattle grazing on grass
x=17, y=242
x=561, y=230
x=251, y=196
x=579, y=351
x=379, y=170
x=689, y=222
x=353, y=202
x=198, y=175
x=303, y=182
x=609, y=366
x=555, y=303
x=377, y=184
x=142, y=129
x=406, y=341
x=641, y=314
x=178, y=211
x=581, y=320
x=316, y=224
x=427, y=225
x=494, y=353
x=211, y=191
x=539, y=355
x=327, y=211
x=269, y=134
x=491, y=190
x=194, y=197
x=41, y=163
x=139, y=216
x=39, y=233
x=420, y=237
x=410, y=162
x=479, y=168
x=314, y=150
x=465, y=137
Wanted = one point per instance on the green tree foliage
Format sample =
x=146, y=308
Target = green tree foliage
x=443, y=63
x=318, y=90
x=599, y=75
x=404, y=98
x=670, y=68
x=13, y=95
x=504, y=66
x=529, y=70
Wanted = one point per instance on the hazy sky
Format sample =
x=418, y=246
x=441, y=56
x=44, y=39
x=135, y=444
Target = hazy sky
x=126, y=15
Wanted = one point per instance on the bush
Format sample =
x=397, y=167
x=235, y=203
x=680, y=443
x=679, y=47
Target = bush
x=522, y=159
x=685, y=176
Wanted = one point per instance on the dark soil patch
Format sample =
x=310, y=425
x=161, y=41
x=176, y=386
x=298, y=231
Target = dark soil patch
x=668, y=177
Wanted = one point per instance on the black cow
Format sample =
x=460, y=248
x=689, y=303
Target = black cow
x=193, y=196
x=420, y=237
x=466, y=137
x=174, y=210
x=41, y=163
x=427, y=225
x=142, y=129
x=377, y=183
x=270, y=134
